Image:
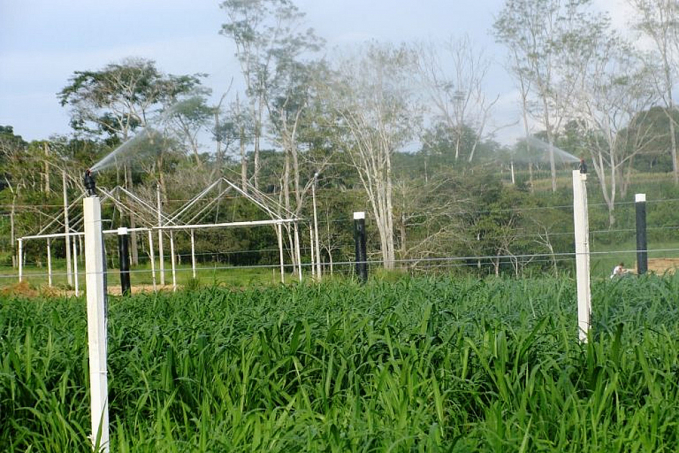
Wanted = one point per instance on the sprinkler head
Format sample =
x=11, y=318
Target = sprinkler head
x=583, y=166
x=90, y=185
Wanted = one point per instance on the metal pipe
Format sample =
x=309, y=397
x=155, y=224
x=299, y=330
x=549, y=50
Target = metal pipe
x=21, y=260
x=193, y=254
x=153, y=260
x=49, y=263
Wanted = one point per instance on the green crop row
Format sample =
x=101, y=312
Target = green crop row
x=414, y=365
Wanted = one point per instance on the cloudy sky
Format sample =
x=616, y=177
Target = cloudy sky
x=43, y=42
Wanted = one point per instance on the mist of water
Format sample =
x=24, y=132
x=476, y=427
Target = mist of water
x=148, y=142
x=142, y=145
x=540, y=153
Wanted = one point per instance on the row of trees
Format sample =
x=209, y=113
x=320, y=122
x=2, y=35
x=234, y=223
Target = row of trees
x=581, y=78
x=347, y=123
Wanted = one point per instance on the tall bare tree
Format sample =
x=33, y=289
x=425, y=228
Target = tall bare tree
x=614, y=90
x=539, y=35
x=659, y=21
x=456, y=92
x=373, y=100
x=267, y=36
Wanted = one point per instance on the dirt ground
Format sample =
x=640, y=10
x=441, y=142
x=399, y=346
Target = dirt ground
x=662, y=265
x=24, y=289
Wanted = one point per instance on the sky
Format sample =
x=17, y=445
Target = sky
x=43, y=42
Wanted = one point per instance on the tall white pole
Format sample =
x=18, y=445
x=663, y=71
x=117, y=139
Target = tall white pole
x=69, y=276
x=95, y=276
x=172, y=261
x=75, y=268
x=161, y=257
x=318, y=248
x=313, y=255
x=581, y=223
x=193, y=254
x=153, y=260
x=49, y=262
x=279, y=231
x=21, y=260
x=298, y=252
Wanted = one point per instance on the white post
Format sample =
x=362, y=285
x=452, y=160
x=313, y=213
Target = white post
x=75, y=268
x=21, y=260
x=298, y=252
x=313, y=255
x=279, y=230
x=67, y=238
x=172, y=260
x=153, y=260
x=161, y=257
x=581, y=223
x=49, y=262
x=318, y=248
x=193, y=254
x=95, y=275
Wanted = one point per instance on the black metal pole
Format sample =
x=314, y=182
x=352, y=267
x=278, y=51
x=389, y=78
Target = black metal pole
x=361, y=260
x=642, y=252
x=124, y=252
x=361, y=254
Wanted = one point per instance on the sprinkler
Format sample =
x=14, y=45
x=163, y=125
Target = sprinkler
x=90, y=185
x=583, y=166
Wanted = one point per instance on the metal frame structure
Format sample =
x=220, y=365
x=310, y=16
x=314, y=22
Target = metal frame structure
x=186, y=218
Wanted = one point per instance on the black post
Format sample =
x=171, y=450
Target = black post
x=642, y=253
x=361, y=254
x=124, y=252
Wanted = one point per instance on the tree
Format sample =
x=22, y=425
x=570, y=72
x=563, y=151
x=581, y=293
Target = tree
x=16, y=173
x=540, y=35
x=267, y=39
x=657, y=19
x=187, y=118
x=372, y=99
x=458, y=99
x=121, y=98
x=612, y=90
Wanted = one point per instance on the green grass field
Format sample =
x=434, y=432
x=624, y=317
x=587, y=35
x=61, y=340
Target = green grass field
x=419, y=364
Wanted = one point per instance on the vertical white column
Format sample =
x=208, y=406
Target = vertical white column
x=161, y=258
x=581, y=223
x=172, y=260
x=75, y=268
x=193, y=254
x=21, y=259
x=153, y=260
x=317, y=241
x=313, y=255
x=67, y=238
x=49, y=262
x=279, y=231
x=95, y=277
x=298, y=252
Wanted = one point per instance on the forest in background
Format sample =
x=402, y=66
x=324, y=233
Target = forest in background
x=399, y=131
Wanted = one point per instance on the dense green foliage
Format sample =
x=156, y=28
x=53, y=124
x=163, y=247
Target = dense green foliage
x=415, y=365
